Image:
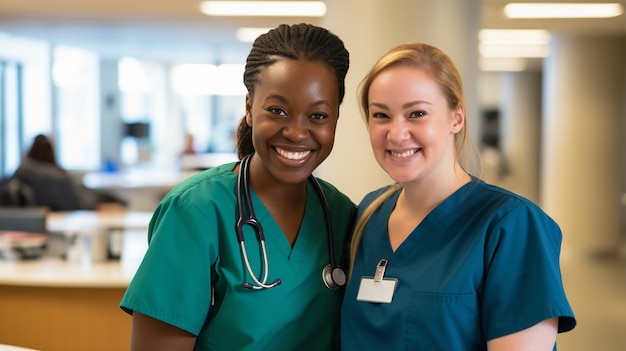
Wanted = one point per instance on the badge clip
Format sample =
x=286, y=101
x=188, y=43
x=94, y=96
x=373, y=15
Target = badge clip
x=380, y=270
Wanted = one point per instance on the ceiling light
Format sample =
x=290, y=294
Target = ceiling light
x=502, y=64
x=249, y=34
x=264, y=8
x=513, y=50
x=562, y=10
x=511, y=43
x=514, y=36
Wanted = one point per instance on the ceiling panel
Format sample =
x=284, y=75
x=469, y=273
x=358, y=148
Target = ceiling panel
x=176, y=30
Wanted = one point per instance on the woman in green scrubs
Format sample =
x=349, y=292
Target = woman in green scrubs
x=442, y=260
x=193, y=290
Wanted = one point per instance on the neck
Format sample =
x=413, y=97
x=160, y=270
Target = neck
x=422, y=195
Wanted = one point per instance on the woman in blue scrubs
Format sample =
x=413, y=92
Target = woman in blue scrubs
x=442, y=260
x=195, y=288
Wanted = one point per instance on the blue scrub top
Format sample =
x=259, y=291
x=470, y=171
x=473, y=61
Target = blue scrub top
x=192, y=272
x=481, y=265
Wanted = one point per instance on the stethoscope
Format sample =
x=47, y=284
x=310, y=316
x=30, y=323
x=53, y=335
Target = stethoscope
x=333, y=276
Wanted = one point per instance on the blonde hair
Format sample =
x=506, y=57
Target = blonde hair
x=446, y=75
x=362, y=222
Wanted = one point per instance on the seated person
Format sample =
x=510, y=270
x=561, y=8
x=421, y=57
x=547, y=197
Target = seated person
x=51, y=185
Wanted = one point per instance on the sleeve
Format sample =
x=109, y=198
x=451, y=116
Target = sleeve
x=523, y=284
x=173, y=282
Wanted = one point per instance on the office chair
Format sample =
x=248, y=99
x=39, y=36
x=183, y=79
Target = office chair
x=23, y=219
x=15, y=193
x=23, y=232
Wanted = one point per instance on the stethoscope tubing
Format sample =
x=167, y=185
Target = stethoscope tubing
x=329, y=229
x=244, y=200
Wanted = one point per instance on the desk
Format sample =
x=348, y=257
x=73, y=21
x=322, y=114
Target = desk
x=15, y=244
x=53, y=304
x=4, y=347
x=65, y=273
x=142, y=189
x=96, y=233
x=89, y=221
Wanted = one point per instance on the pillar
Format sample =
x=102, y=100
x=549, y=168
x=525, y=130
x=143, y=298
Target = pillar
x=520, y=131
x=110, y=120
x=371, y=27
x=582, y=124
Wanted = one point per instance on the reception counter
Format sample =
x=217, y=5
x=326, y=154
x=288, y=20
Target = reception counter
x=4, y=347
x=68, y=304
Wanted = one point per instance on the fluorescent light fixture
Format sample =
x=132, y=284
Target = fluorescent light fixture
x=264, y=8
x=249, y=34
x=513, y=50
x=514, y=36
x=502, y=64
x=563, y=10
x=513, y=43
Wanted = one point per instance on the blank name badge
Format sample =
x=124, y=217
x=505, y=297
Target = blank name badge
x=377, y=289
x=380, y=291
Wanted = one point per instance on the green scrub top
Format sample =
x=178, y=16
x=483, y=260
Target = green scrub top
x=191, y=276
x=482, y=264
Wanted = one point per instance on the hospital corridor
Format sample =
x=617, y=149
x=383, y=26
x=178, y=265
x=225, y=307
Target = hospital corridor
x=596, y=288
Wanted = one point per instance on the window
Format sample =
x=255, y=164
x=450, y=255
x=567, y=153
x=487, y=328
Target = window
x=77, y=100
x=24, y=76
x=11, y=126
x=211, y=101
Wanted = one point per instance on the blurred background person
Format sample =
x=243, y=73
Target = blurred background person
x=48, y=184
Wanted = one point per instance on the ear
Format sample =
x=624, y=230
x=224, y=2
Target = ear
x=248, y=110
x=458, y=120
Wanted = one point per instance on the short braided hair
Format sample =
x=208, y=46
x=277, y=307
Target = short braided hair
x=299, y=42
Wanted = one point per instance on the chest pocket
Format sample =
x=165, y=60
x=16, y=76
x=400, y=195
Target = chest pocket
x=440, y=321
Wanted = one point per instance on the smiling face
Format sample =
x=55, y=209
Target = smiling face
x=411, y=127
x=293, y=115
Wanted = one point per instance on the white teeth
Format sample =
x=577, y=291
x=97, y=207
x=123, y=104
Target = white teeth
x=403, y=154
x=293, y=155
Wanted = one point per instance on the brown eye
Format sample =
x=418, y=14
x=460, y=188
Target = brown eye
x=416, y=114
x=277, y=111
x=318, y=116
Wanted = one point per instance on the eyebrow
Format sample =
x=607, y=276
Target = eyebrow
x=404, y=106
x=413, y=103
x=285, y=100
x=277, y=97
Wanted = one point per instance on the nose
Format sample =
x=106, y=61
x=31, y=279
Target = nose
x=296, y=128
x=398, y=130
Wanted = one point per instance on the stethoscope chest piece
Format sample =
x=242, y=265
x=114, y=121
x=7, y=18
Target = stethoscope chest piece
x=333, y=277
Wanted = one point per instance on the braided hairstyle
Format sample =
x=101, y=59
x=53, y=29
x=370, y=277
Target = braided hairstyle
x=298, y=42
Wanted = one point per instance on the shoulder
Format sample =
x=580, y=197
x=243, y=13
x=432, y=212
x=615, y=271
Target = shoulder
x=499, y=198
x=199, y=200
x=336, y=199
x=205, y=187
x=375, y=194
x=506, y=211
x=32, y=167
x=332, y=193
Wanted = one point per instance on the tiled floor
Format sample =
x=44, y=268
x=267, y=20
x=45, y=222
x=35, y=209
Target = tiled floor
x=596, y=287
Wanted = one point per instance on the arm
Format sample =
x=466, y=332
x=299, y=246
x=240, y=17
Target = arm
x=149, y=334
x=541, y=336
